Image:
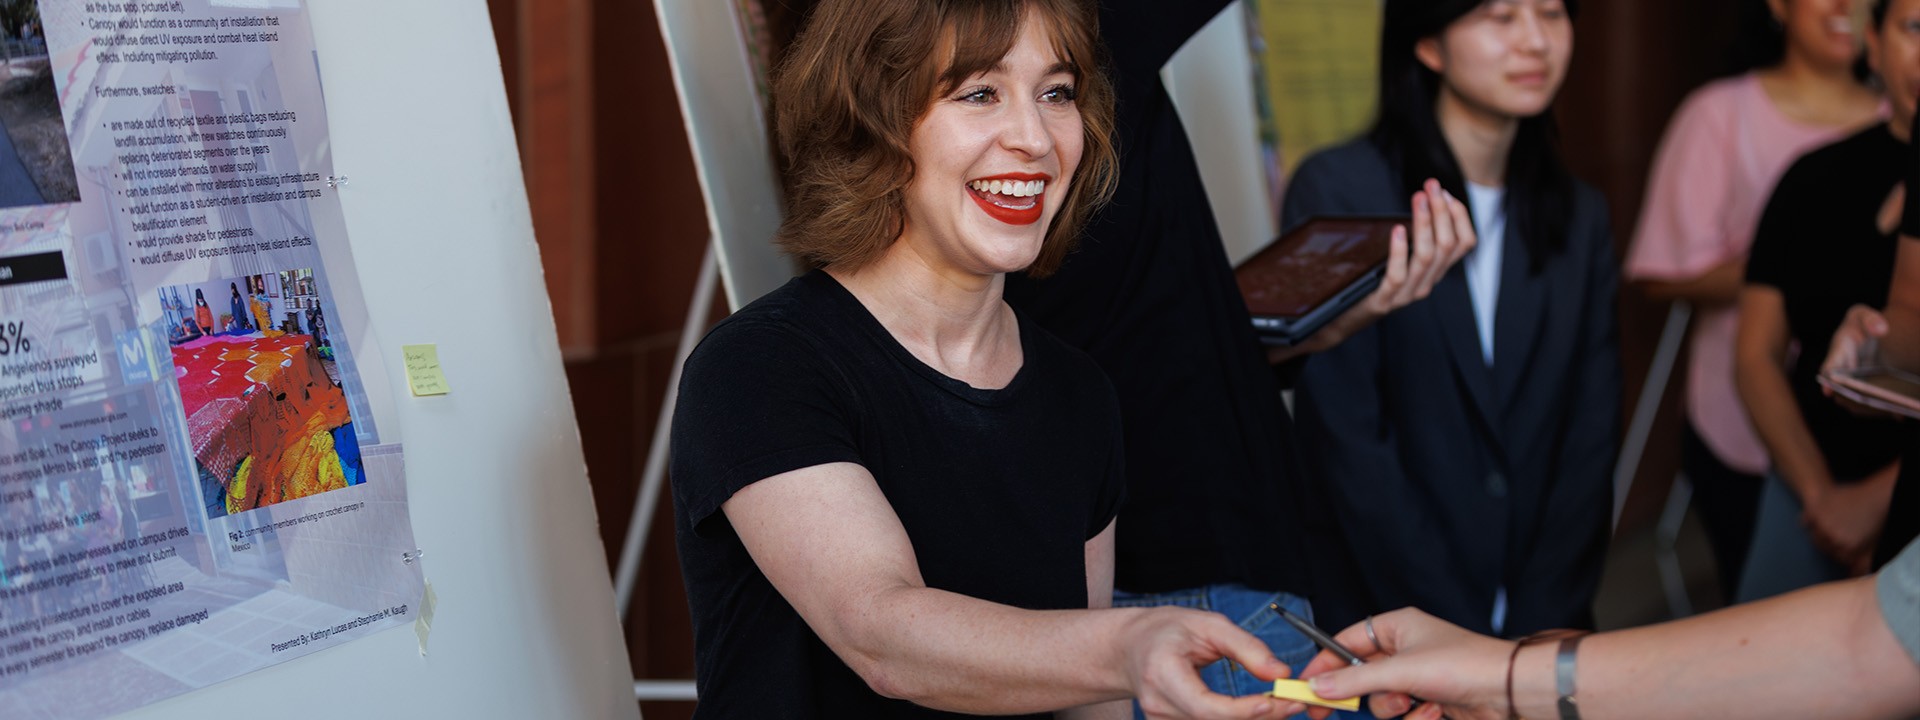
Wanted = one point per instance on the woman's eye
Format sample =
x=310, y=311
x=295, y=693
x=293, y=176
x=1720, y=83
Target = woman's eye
x=977, y=96
x=1060, y=94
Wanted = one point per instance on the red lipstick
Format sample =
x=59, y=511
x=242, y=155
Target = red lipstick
x=1005, y=207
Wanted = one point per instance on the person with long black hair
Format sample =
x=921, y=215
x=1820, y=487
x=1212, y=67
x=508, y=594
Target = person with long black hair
x=1468, y=440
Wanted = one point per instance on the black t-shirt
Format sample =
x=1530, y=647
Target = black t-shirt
x=1149, y=293
x=1820, y=244
x=1903, y=512
x=999, y=490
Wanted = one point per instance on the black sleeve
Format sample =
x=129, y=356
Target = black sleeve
x=1142, y=35
x=756, y=400
x=1112, y=491
x=1771, y=239
x=1911, y=226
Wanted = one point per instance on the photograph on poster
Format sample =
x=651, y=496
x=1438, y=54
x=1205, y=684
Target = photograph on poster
x=36, y=164
x=260, y=387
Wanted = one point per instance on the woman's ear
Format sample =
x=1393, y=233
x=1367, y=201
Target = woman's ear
x=1428, y=52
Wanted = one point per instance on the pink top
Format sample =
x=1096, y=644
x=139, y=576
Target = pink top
x=1726, y=148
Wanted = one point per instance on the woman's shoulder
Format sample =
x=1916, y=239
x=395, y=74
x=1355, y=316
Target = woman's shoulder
x=1355, y=160
x=1350, y=178
x=1828, y=167
x=783, y=326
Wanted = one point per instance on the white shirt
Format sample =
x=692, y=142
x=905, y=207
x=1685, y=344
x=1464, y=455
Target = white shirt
x=1483, y=285
x=1483, y=264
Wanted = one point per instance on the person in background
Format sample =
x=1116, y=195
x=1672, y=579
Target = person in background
x=1722, y=154
x=238, y=307
x=1826, y=242
x=202, y=315
x=1218, y=515
x=894, y=495
x=1469, y=440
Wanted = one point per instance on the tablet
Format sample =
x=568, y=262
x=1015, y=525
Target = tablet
x=1882, y=389
x=1300, y=282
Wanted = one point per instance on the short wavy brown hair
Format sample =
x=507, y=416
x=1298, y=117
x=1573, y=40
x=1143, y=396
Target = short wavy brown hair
x=860, y=77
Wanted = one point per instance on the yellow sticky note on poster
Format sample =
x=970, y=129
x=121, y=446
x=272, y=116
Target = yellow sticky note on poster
x=423, y=622
x=423, y=370
x=1298, y=691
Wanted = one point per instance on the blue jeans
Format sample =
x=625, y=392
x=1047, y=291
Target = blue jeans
x=1249, y=608
x=1782, y=557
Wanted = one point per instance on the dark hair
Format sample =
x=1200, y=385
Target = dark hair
x=1762, y=42
x=1880, y=8
x=1539, y=198
x=863, y=73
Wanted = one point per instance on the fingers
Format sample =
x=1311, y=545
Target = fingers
x=1853, y=344
x=1389, y=704
x=1433, y=261
x=1386, y=298
x=1242, y=647
x=1427, y=711
x=1187, y=697
x=1427, y=223
x=1325, y=662
x=1469, y=238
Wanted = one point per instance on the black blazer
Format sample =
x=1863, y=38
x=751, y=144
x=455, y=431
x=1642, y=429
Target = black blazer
x=1452, y=479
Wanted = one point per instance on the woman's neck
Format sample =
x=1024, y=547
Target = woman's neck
x=952, y=320
x=1480, y=139
x=1817, y=94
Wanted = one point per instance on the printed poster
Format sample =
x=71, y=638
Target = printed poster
x=196, y=480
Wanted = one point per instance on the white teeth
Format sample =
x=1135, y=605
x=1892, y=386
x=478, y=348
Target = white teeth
x=1014, y=188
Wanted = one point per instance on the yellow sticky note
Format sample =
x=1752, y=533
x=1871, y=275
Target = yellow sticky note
x=423, y=370
x=1298, y=691
x=423, y=621
x=427, y=604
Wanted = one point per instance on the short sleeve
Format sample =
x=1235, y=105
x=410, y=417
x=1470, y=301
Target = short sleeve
x=1111, y=493
x=1911, y=226
x=1682, y=231
x=756, y=400
x=1772, y=240
x=1898, y=586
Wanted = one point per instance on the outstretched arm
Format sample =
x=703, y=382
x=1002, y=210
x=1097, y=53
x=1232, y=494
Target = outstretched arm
x=1827, y=651
x=827, y=539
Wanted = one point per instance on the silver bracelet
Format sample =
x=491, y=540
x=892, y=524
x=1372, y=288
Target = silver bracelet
x=1563, y=665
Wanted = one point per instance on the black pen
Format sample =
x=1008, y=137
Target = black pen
x=1318, y=637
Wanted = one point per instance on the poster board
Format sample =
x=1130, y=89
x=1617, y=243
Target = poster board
x=437, y=214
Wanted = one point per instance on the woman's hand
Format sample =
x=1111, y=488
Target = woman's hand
x=1418, y=655
x=1164, y=648
x=1442, y=234
x=1855, y=345
x=1845, y=520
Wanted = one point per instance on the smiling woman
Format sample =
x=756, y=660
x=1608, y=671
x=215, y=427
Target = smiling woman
x=849, y=113
x=893, y=495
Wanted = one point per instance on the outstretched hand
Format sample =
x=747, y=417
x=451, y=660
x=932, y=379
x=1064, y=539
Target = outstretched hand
x=1165, y=647
x=1453, y=670
x=1442, y=234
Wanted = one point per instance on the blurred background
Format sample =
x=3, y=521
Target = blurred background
x=621, y=224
